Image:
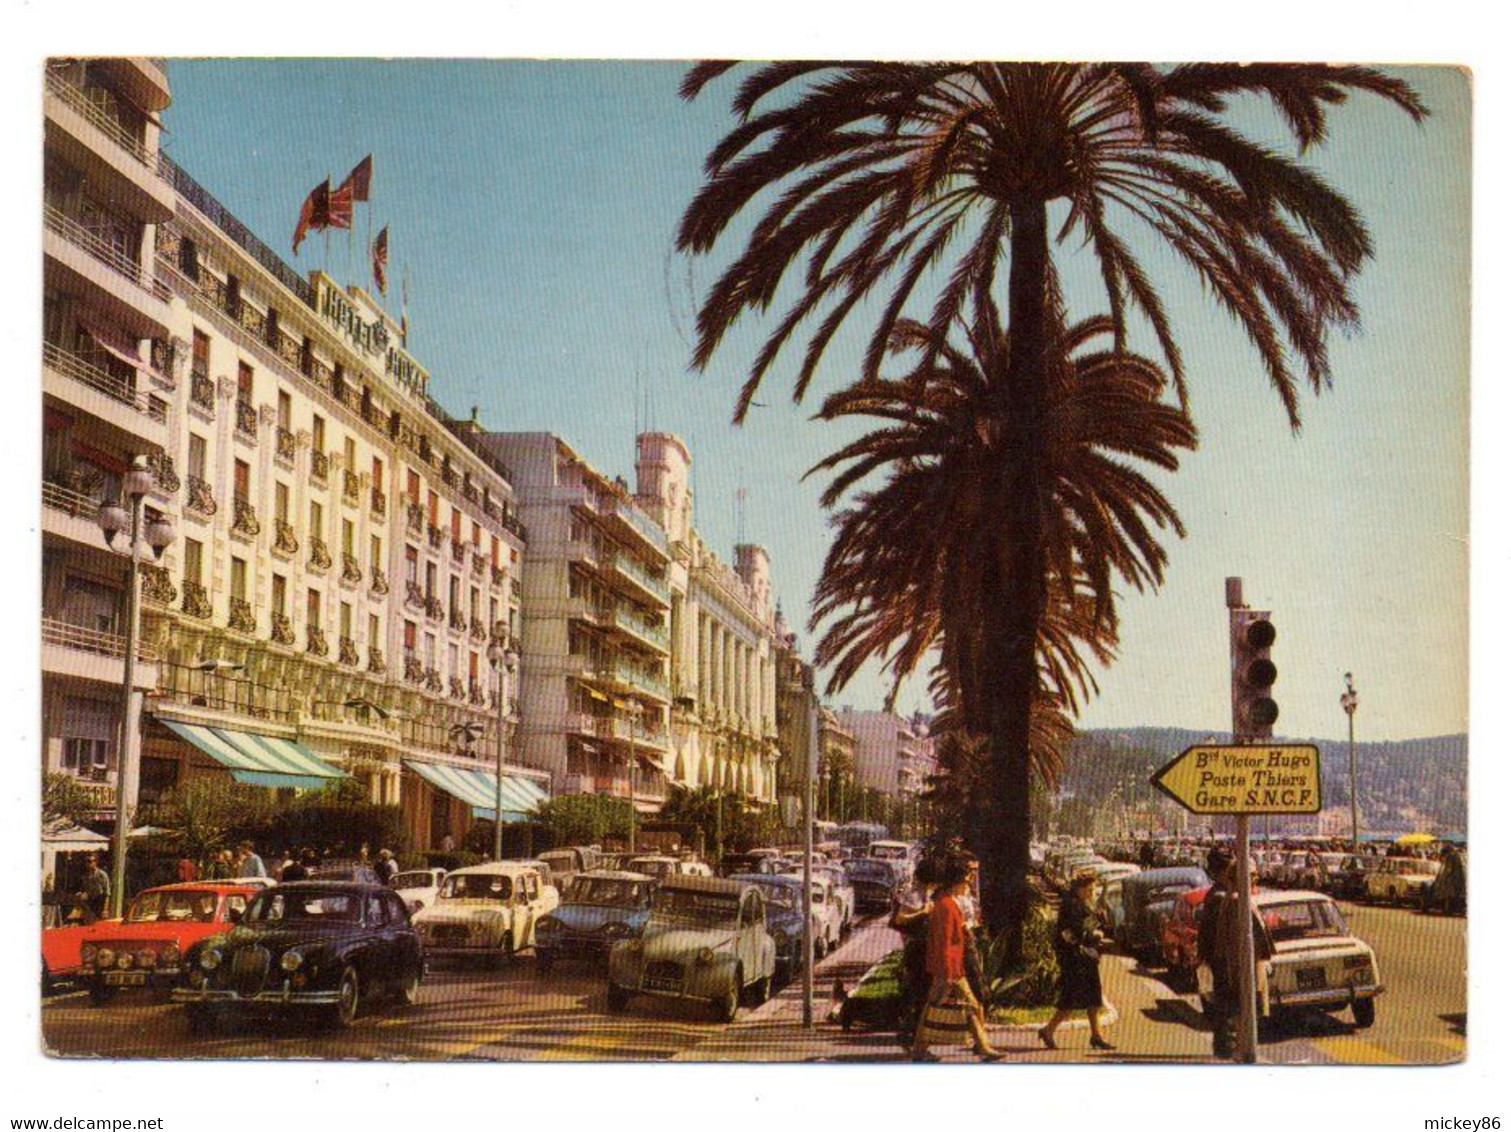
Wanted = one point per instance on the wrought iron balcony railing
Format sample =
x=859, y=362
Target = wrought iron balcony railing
x=101, y=119
x=284, y=539
x=320, y=466
x=351, y=570
x=314, y=641
x=58, y=632
x=242, y=618
x=245, y=520
x=347, y=653
x=285, y=442
x=283, y=629
x=157, y=587
x=246, y=419
x=200, y=497
x=375, y=662
x=380, y=582
x=70, y=365
x=320, y=557
x=196, y=600
x=202, y=392
x=56, y=220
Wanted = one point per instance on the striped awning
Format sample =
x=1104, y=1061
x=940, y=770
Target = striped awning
x=259, y=760
x=477, y=788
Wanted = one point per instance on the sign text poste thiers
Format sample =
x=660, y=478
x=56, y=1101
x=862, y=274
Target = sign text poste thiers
x=1259, y=779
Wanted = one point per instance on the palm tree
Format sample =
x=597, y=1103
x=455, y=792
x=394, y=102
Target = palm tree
x=904, y=178
x=903, y=575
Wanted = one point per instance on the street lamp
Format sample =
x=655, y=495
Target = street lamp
x=1350, y=702
x=144, y=540
x=504, y=661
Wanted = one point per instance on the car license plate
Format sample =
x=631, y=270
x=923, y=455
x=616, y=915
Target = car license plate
x=1311, y=978
x=663, y=983
x=125, y=978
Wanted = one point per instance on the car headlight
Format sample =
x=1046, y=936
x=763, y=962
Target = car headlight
x=706, y=955
x=196, y=977
x=124, y=960
x=291, y=961
x=86, y=954
x=615, y=928
x=210, y=959
x=170, y=954
x=634, y=946
x=105, y=956
x=147, y=957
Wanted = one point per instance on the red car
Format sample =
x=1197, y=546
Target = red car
x=60, y=953
x=1178, y=938
x=146, y=948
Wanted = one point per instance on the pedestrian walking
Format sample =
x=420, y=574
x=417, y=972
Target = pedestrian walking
x=387, y=868
x=1077, y=944
x=96, y=889
x=187, y=870
x=950, y=994
x=910, y=917
x=1222, y=1006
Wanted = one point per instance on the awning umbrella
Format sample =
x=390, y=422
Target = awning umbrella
x=1416, y=839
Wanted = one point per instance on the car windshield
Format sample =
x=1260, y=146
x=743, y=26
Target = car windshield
x=779, y=894
x=695, y=909
x=868, y=869
x=476, y=886
x=414, y=880
x=1302, y=919
x=652, y=868
x=1419, y=867
x=605, y=890
x=889, y=852
x=172, y=907
x=316, y=905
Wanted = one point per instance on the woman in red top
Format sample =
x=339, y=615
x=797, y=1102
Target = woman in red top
x=946, y=966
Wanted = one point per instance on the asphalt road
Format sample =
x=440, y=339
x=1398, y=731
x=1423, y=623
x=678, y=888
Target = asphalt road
x=516, y=1014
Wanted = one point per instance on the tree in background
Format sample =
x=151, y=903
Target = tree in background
x=66, y=801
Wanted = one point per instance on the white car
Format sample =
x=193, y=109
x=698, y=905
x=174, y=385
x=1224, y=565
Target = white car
x=827, y=916
x=1315, y=961
x=661, y=868
x=1402, y=880
x=487, y=911
x=418, y=887
x=841, y=890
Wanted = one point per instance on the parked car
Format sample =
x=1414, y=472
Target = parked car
x=326, y=946
x=784, y=919
x=418, y=887
x=755, y=861
x=1402, y=880
x=1109, y=905
x=61, y=952
x=1323, y=872
x=352, y=872
x=827, y=914
x=600, y=908
x=1353, y=876
x=706, y=939
x=1316, y=961
x=1178, y=938
x=841, y=890
x=1147, y=898
x=146, y=948
x=486, y=912
x=660, y=868
x=567, y=863
x=875, y=883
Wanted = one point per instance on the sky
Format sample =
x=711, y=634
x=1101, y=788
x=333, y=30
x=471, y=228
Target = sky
x=533, y=205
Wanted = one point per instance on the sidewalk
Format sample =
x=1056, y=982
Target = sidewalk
x=1141, y=1026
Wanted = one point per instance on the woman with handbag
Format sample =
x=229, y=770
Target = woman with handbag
x=1077, y=941
x=952, y=1010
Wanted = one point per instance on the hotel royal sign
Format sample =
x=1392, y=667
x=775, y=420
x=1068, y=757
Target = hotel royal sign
x=367, y=332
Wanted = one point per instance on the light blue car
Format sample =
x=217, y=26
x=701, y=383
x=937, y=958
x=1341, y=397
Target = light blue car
x=600, y=908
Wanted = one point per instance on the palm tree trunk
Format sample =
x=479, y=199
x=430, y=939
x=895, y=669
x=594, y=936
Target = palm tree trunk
x=1016, y=578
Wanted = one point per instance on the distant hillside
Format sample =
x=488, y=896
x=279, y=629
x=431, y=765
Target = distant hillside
x=1404, y=785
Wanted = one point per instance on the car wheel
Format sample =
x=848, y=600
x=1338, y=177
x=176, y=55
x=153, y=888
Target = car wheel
x=1364, y=1013
x=727, y=1005
x=46, y=979
x=100, y=994
x=348, y=999
x=201, y=1020
x=619, y=998
x=505, y=954
x=544, y=961
x=760, y=991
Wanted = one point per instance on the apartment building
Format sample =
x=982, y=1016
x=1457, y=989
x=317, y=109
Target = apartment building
x=891, y=754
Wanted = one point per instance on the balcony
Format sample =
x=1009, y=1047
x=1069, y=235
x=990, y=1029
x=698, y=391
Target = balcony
x=70, y=514
x=642, y=632
x=630, y=570
x=347, y=653
x=196, y=601
x=242, y=619
x=351, y=569
x=320, y=466
x=284, y=449
x=88, y=654
x=380, y=582
x=629, y=521
x=285, y=542
x=351, y=487
x=88, y=136
x=378, y=502
x=375, y=662
x=627, y=673
x=283, y=630
x=314, y=641
x=104, y=396
x=414, y=518
x=200, y=497
x=320, y=557
x=246, y=420
x=125, y=292
x=245, y=522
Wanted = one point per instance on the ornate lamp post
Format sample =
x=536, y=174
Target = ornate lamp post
x=144, y=541
x=504, y=661
x=1350, y=702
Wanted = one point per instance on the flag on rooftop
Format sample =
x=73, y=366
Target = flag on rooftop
x=315, y=215
x=380, y=261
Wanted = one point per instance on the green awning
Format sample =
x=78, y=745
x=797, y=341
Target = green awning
x=477, y=788
x=259, y=760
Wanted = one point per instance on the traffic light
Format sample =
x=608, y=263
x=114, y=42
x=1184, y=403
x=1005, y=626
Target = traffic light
x=1251, y=634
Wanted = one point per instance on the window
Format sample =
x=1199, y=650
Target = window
x=233, y=295
x=430, y=580
x=455, y=595
x=281, y=501
x=375, y=552
x=477, y=535
x=338, y=382
x=280, y=594
x=472, y=667
x=377, y=911
x=89, y=733
x=411, y=635
x=193, y=560
x=495, y=552
x=285, y=411
x=188, y=259
x=351, y=454
x=317, y=433
x=346, y=619
x=435, y=509
x=317, y=520
x=243, y=474
x=197, y=456
x=239, y=578
x=348, y=537
x=413, y=486
x=312, y=609
x=492, y=614
x=378, y=473
x=429, y=650
x=454, y=661
x=274, y=337
x=476, y=606
x=374, y=632
x=201, y=358
x=456, y=525
x=411, y=566
x=307, y=357
x=244, y=382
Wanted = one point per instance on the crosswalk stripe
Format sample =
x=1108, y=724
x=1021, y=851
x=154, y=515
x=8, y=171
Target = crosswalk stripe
x=1357, y=1051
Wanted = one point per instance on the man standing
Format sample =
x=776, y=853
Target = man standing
x=96, y=889
x=249, y=863
x=387, y=868
x=1211, y=949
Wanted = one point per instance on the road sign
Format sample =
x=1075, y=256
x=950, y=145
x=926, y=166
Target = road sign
x=1259, y=779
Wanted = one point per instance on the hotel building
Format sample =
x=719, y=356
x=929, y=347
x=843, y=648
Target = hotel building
x=892, y=755
x=637, y=638
x=346, y=551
